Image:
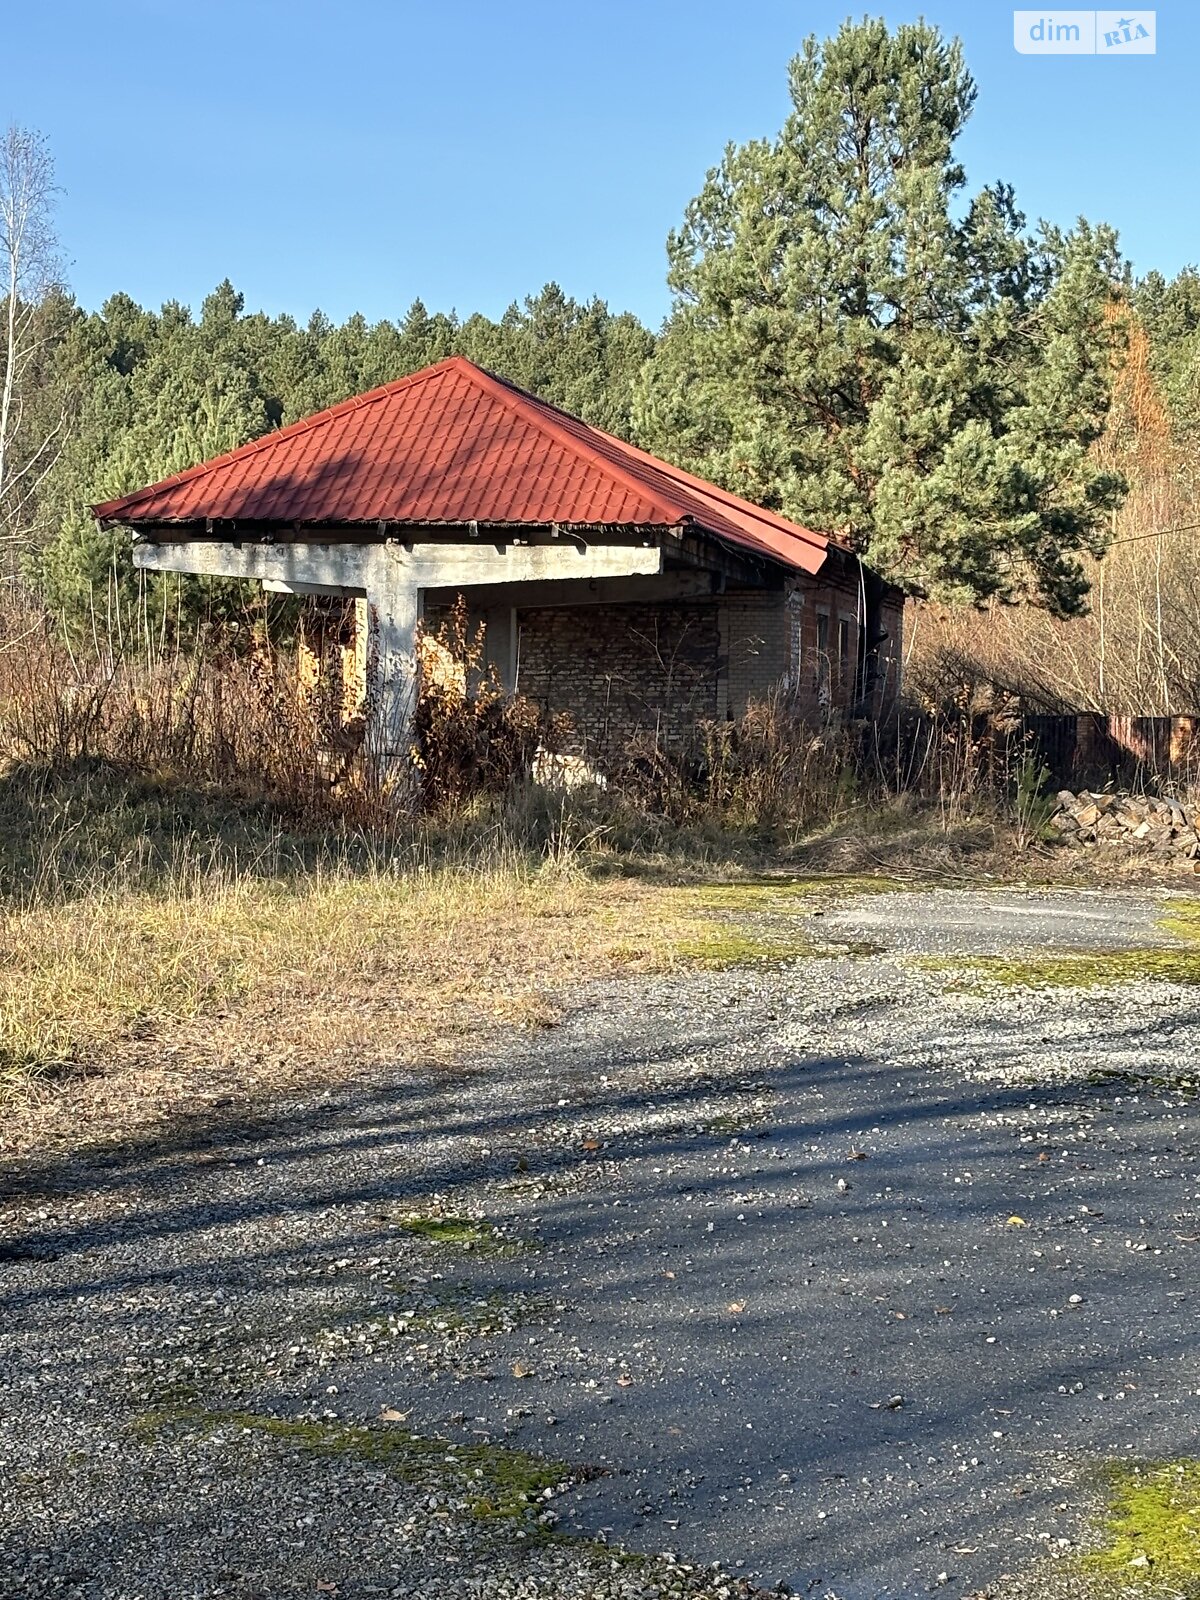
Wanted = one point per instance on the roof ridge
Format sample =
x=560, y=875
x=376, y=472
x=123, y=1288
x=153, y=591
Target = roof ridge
x=293, y=430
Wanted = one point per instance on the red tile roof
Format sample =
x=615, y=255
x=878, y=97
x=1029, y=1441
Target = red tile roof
x=450, y=445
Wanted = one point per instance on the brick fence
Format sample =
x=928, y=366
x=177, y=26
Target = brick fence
x=1091, y=747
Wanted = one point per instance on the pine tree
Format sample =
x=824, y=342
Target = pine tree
x=191, y=395
x=580, y=356
x=848, y=345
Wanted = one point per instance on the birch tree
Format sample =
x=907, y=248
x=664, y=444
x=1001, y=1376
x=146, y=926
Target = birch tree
x=29, y=436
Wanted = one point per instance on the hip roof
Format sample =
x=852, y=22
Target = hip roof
x=451, y=445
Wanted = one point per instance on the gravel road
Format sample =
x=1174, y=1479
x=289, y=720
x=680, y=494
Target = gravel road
x=840, y=1273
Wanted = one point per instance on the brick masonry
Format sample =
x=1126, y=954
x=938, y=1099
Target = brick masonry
x=617, y=670
x=804, y=642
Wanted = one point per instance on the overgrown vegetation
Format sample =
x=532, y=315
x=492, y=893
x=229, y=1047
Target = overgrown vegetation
x=1152, y=1536
x=472, y=738
x=171, y=943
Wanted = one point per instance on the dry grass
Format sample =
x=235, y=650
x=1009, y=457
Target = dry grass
x=163, y=951
x=191, y=922
x=116, y=1013
x=1135, y=651
x=222, y=989
x=147, y=973
x=77, y=975
x=164, y=954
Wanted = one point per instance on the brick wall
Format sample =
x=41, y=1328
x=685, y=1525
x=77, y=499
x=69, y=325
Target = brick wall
x=658, y=669
x=758, y=641
x=825, y=644
x=619, y=669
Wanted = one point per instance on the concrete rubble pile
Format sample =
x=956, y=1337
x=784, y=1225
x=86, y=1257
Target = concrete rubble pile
x=1148, y=823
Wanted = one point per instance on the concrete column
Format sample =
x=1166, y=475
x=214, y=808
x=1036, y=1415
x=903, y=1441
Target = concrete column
x=500, y=644
x=394, y=608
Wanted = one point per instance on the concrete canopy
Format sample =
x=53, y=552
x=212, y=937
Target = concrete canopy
x=450, y=479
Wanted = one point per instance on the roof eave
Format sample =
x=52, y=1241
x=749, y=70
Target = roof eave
x=807, y=558
x=377, y=529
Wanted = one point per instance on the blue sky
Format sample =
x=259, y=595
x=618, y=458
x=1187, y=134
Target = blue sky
x=354, y=155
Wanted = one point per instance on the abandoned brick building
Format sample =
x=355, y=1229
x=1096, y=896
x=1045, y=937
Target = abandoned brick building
x=613, y=587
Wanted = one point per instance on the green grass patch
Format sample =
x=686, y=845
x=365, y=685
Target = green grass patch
x=723, y=946
x=1092, y=969
x=1182, y=919
x=1153, y=1528
x=1083, y=969
x=501, y=1483
x=754, y=921
x=460, y=1233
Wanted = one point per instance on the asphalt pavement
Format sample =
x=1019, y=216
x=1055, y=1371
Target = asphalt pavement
x=847, y=1273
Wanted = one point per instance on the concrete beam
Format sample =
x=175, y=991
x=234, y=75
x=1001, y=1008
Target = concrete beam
x=464, y=566
x=337, y=566
x=636, y=590
x=321, y=590
x=365, y=567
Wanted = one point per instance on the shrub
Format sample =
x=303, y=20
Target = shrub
x=472, y=738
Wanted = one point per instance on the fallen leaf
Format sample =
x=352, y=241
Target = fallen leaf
x=590, y=1144
x=1016, y=1222
x=390, y=1414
